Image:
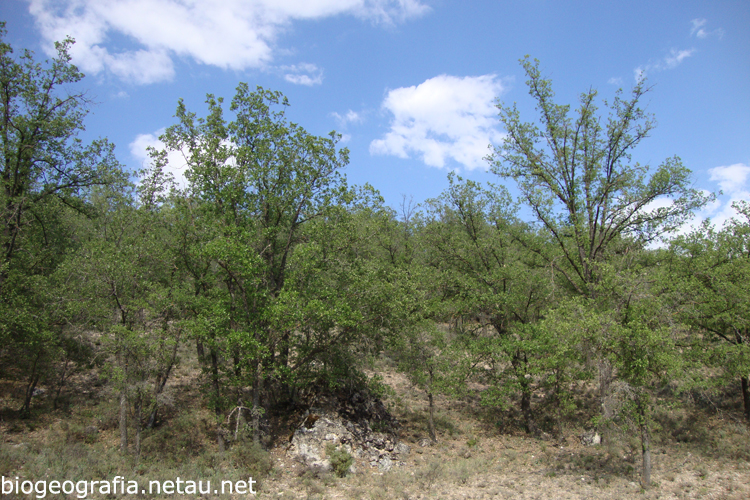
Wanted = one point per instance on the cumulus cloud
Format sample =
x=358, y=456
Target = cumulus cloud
x=177, y=165
x=444, y=118
x=733, y=182
x=303, y=74
x=229, y=34
x=615, y=80
x=731, y=179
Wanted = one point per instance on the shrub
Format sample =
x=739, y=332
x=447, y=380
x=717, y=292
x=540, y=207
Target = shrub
x=252, y=459
x=341, y=460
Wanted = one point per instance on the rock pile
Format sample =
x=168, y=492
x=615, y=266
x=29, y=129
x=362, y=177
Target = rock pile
x=347, y=421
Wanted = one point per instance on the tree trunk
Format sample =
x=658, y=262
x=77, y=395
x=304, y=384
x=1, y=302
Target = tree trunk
x=137, y=423
x=528, y=415
x=520, y=363
x=431, y=419
x=605, y=388
x=161, y=382
x=217, y=398
x=31, y=387
x=122, y=362
x=123, y=419
x=745, y=382
x=257, y=387
x=201, y=352
x=645, y=442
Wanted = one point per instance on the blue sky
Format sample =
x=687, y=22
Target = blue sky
x=411, y=84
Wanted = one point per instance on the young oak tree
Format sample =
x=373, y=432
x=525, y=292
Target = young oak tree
x=46, y=172
x=122, y=282
x=576, y=173
x=486, y=275
x=709, y=272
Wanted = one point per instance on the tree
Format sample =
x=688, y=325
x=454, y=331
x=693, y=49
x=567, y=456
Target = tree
x=578, y=178
x=45, y=172
x=255, y=182
x=123, y=282
x=709, y=271
x=484, y=274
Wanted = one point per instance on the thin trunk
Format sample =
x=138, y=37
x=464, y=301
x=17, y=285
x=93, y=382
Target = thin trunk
x=161, y=382
x=217, y=398
x=645, y=442
x=257, y=386
x=431, y=419
x=201, y=352
x=605, y=388
x=520, y=363
x=123, y=419
x=745, y=382
x=528, y=415
x=137, y=423
x=61, y=383
x=31, y=387
x=122, y=362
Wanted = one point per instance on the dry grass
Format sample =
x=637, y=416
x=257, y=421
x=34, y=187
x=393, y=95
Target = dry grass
x=480, y=453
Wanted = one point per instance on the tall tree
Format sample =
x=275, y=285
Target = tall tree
x=495, y=283
x=254, y=183
x=577, y=175
x=122, y=281
x=45, y=171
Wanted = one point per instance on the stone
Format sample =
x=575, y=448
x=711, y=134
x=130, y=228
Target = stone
x=402, y=449
x=385, y=464
x=345, y=422
x=591, y=438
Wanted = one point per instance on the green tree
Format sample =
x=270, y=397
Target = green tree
x=709, y=272
x=577, y=175
x=45, y=173
x=123, y=282
x=254, y=183
x=499, y=287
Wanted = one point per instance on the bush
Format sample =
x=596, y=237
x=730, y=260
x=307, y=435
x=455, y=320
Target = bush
x=340, y=460
x=252, y=459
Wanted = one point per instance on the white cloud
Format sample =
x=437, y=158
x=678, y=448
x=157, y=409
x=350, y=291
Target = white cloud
x=303, y=74
x=349, y=117
x=177, y=164
x=700, y=32
x=675, y=57
x=230, y=34
x=731, y=179
x=697, y=28
x=615, y=80
x=670, y=61
x=444, y=118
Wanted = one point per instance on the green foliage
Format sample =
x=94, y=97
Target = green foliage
x=46, y=176
x=577, y=176
x=708, y=274
x=340, y=459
